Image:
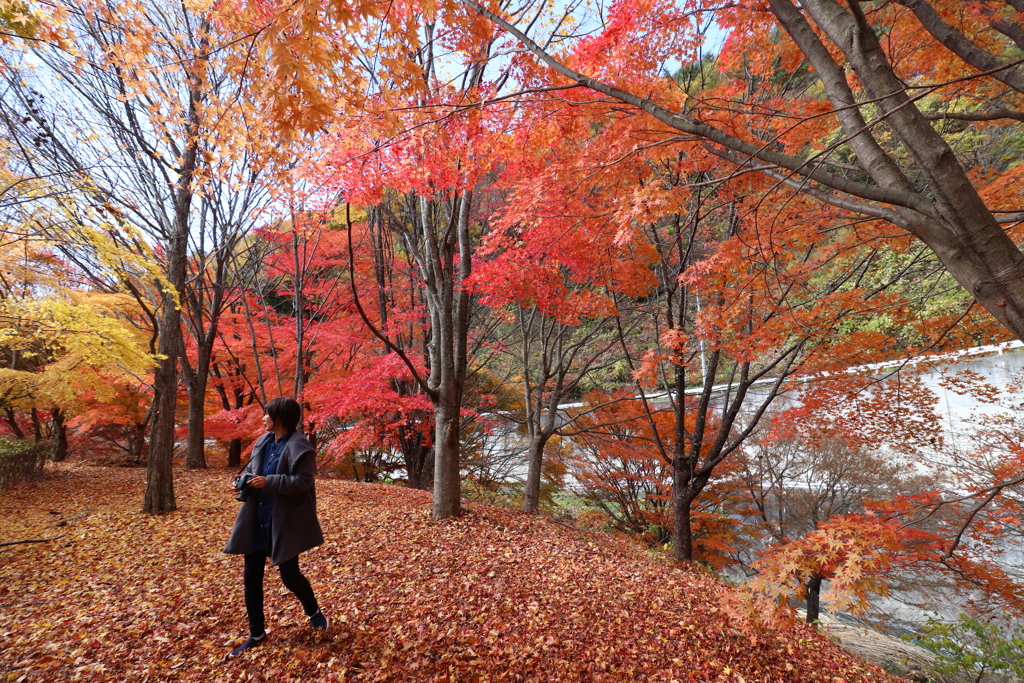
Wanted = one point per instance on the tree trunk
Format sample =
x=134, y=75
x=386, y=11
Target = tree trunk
x=159, y=496
x=419, y=460
x=535, y=466
x=37, y=428
x=235, y=445
x=419, y=465
x=449, y=343
x=235, y=453
x=961, y=230
x=298, y=279
x=60, y=435
x=196, y=380
x=196, y=459
x=682, y=533
x=414, y=477
x=137, y=451
x=444, y=258
x=12, y=420
x=447, y=488
x=813, y=598
x=160, y=466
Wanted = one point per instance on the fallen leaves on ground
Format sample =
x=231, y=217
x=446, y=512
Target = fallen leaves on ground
x=495, y=595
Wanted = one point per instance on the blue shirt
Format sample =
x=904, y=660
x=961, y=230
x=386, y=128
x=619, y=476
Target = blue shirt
x=265, y=501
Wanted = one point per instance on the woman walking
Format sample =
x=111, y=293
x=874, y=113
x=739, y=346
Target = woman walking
x=278, y=518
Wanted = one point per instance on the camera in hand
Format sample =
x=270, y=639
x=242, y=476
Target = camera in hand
x=242, y=484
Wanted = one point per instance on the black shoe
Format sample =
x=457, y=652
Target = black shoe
x=248, y=644
x=318, y=621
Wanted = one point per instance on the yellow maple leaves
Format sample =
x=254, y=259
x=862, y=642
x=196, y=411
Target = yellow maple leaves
x=18, y=20
x=55, y=337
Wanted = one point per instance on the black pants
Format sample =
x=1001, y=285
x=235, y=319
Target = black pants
x=291, y=577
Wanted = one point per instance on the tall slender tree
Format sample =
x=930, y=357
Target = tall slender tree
x=137, y=120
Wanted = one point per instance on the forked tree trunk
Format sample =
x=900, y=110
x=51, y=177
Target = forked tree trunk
x=960, y=228
x=234, y=445
x=689, y=475
x=682, y=498
x=450, y=263
x=196, y=380
x=444, y=258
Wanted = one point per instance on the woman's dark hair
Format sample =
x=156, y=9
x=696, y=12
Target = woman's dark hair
x=287, y=410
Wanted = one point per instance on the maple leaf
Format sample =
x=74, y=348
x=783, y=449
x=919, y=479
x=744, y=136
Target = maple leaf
x=154, y=594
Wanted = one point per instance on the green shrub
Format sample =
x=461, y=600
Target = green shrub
x=21, y=459
x=969, y=648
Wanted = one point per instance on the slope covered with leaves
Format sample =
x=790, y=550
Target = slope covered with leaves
x=494, y=595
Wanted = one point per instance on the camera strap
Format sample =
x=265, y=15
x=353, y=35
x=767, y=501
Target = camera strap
x=251, y=456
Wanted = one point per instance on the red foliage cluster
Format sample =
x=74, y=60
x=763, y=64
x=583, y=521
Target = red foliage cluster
x=492, y=595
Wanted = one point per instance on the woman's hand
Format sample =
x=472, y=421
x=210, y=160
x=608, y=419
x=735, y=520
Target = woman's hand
x=258, y=482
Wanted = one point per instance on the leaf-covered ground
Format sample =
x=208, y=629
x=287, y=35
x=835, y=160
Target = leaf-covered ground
x=495, y=595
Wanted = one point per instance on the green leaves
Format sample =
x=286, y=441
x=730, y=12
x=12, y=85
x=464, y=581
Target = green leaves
x=973, y=644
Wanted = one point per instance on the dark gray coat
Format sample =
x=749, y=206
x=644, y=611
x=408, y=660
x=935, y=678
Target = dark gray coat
x=294, y=527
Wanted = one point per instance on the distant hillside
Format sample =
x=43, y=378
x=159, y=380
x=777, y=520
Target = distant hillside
x=495, y=595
